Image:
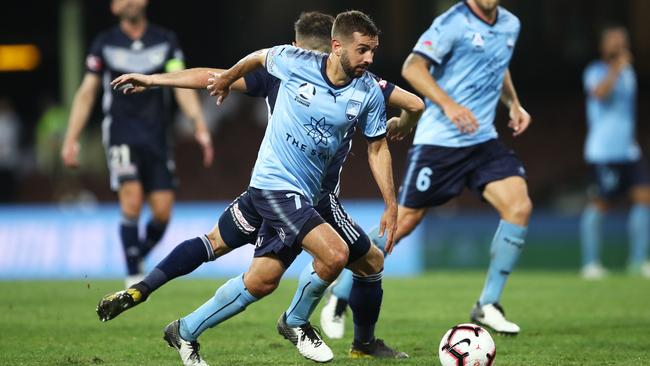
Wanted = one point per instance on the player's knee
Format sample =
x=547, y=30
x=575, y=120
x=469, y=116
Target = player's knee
x=260, y=287
x=339, y=258
x=520, y=210
x=219, y=247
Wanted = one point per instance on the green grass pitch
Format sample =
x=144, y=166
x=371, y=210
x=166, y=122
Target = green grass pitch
x=564, y=320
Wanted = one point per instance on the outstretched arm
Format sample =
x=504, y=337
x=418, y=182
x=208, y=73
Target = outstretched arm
x=416, y=71
x=381, y=166
x=195, y=78
x=519, y=118
x=412, y=107
x=220, y=84
x=82, y=105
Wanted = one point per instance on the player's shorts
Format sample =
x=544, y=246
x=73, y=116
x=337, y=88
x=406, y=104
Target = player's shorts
x=614, y=179
x=437, y=174
x=331, y=210
x=288, y=217
x=239, y=224
x=129, y=163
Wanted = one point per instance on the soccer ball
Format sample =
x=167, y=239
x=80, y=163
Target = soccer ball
x=467, y=345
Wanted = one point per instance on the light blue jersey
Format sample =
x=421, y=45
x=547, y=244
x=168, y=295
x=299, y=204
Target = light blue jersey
x=310, y=119
x=469, y=58
x=611, y=121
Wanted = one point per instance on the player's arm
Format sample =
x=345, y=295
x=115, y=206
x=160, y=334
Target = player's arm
x=195, y=78
x=82, y=105
x=519, y=118
x=381, y=166
x=416, y=71
x=605, y=87
x=412, y=107
x=188, y=100
x=220, y=83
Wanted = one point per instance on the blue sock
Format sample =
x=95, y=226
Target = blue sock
x=380, y=242
x=639, y=227
x=343, y=285
x=365, y=302
x=229, y=300
x=131, y=244
x=504, y=252
x=155, y=231
x=590, y=235
x=310, y=290
x=185, y=258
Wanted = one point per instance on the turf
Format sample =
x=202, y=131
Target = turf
x=565, y=321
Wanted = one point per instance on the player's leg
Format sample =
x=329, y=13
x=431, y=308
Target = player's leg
x=131, y=197
x=230, y=299
x=509, y=197
x=639, y=231
x=161, y=203
x=591, y=238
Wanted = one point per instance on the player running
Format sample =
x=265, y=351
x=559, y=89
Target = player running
x=135, y=128
x=613, y=154
x=460, y=64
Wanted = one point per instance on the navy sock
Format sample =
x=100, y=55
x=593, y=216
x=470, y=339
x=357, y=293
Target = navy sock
x=131, y=244
x=185, y=258
x=365, y=302
x=154, y=232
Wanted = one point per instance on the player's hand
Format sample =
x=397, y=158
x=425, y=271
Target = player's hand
x=623, y=60
x=519, y=119
x=388, y=226
x=69, y=153
x=204, y=139
x=462, y=117
x=218, y=86
x=396, y=130
x=131, y=83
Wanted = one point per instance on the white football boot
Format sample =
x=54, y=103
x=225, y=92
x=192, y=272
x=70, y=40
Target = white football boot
x=306, y=339
x=493, y=316
x=593, y=271
x=333, y=325
x=189, y=351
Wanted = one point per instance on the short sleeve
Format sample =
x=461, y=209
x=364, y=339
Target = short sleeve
x=258, y=83
x=386, y=86
x=438, y=41
x=95, y=59
x=281, y=60
x=591, y=78
x=175, y=58
x=373, y=119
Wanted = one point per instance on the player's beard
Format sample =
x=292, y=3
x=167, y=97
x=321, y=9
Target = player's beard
x=352, y=71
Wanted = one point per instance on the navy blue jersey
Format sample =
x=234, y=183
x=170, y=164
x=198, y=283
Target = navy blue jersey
x=262, y=84
x=138, y=119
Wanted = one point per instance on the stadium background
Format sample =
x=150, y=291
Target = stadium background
x=48, y=214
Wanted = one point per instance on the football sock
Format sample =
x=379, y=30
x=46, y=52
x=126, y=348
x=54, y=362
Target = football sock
x=131, y=244
x=310, y=290
x=343, y=285
x=365, y=302
x=154, y=231
x=590, y=235
x=380, y=242
x=229, y=300
x=639, y=232
x=185, y=258
x=504, y=252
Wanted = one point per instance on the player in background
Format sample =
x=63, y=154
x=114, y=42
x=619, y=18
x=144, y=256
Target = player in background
x=613, y=155
x=460, y=64
x=135, y=128
x=267, y=268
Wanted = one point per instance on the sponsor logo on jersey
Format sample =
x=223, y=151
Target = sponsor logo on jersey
x=306, y=91
x=94, y=63
x=319, y=130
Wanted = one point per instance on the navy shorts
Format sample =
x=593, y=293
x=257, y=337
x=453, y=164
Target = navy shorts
x=240, y=223
x=129, y=163
x=331, y=210
x=287, y=218
x=615, y=179
x=437, y=174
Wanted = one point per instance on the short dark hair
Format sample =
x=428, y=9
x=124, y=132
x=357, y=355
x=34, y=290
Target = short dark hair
x=352, y=21
x=314, y=29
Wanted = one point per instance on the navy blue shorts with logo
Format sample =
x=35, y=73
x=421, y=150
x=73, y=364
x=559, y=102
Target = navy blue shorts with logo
x=612, y=180
x=437, y=174
x=240, y=223
x=128, y=163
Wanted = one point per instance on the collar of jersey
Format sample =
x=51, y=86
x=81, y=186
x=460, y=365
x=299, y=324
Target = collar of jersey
x=323, y=71
x=496, y=18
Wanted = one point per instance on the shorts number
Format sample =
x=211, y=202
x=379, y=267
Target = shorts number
x=296, y=198
x=119, y=156
x=423, y=181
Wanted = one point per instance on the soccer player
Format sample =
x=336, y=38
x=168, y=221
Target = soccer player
x=134, y=128
x=460, y=64
x=613, y=154
x=330, y=82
